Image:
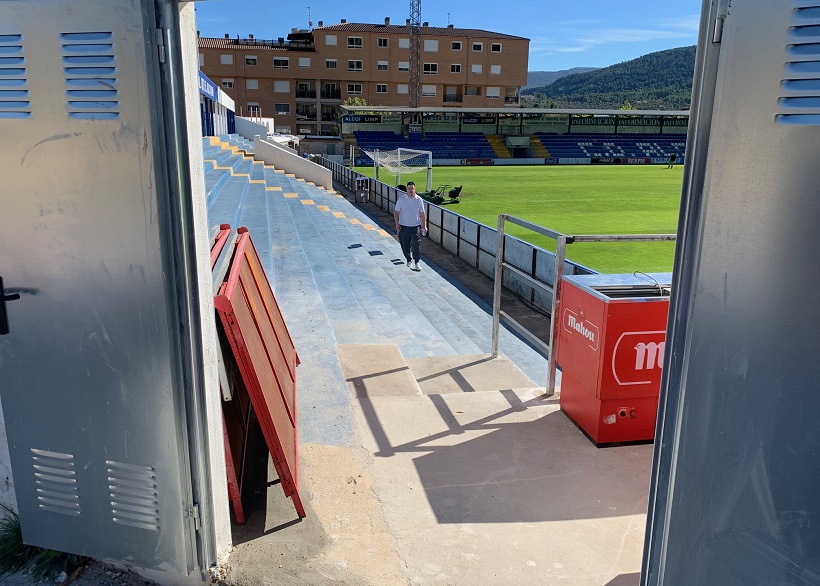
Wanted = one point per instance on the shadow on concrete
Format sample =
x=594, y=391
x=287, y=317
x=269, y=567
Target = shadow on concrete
x=259, y=492
x=541, y=470
x=625, y=580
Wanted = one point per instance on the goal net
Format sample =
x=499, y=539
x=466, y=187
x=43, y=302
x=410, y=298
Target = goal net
x=403, y=161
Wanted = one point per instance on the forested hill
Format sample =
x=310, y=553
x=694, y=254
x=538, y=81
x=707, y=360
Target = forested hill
x=542, y=78
x=661, y=80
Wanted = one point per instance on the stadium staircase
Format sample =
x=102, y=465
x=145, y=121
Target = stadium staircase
x=499, y=146
x=340, y=277
x=537, y=147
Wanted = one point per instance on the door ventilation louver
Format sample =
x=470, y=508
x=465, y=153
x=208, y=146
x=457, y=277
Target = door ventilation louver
x=55, y=479
x=800, y=89
x=90, y=70
x=14, y=98
x=133, y=492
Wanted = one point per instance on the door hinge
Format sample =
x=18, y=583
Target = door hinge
x=192, y=511
x=160, y=39
x=723, y=12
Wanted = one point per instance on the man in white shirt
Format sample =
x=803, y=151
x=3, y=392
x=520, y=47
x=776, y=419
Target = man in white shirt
x=411, y=222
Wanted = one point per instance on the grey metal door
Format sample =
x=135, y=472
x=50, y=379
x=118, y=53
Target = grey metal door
x=90, y=371
x=735, y=498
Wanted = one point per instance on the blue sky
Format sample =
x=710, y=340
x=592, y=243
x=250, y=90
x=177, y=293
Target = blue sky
x=563, y=34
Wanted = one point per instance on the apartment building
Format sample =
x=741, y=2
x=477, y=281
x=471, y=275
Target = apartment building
x=302, y=80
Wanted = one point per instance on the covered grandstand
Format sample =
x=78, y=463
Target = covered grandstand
x=519, y=136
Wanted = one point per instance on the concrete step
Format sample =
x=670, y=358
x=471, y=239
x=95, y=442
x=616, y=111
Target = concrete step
x=226, y=206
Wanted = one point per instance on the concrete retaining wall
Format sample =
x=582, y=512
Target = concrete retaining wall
x=284, y=158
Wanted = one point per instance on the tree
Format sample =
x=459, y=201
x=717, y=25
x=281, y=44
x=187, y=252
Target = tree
x=355, y=102
x=627, y=105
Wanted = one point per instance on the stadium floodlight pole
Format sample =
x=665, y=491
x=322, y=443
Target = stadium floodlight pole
x=415, y=53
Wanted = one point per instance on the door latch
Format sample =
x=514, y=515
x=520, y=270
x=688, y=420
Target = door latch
x=4, y=320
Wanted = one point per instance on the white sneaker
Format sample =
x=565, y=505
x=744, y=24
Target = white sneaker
x=416, y=266
x=409, y=264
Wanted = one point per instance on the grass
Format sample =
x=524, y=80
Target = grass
x=574, y=199
x=16, y=556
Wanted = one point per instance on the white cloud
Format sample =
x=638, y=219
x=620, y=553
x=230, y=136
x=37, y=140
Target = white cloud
x=578, y=41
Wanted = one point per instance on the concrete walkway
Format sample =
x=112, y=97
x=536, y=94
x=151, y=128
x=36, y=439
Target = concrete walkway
x=422, y=461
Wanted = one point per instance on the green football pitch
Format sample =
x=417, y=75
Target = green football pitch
x=573, y=199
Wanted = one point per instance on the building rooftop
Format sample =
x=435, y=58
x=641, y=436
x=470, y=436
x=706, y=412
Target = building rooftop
x=478, y=110
x=450, y=31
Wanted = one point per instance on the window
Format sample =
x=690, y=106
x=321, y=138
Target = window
x=282, y=109
x=472, y=90
x=281, y=86
x=476, y=68
x=428, y=91
x=354, y=42
x=455, y=68
x=280, y=62
x=330, y=40
x=226, y=59
x=330, y=64
x=402, y=88
x=253, y=107
x=431, y=46
x=495, y=69
x=493, y=92
x=201, y=60
x=455, y=45
x=251, y=84
x=383, y=42
x=495, y=47
x=282, y=129
x=381, y=66
x=354, y=65
x=404, y=43
x=227, y=83
x=354, y=89
x=431, y=68
x=381, y=88
x=404, y=66
x=478, y=46
x=304, y=61
x=250, y=60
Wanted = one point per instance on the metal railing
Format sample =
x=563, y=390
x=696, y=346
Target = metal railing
x=562, y=240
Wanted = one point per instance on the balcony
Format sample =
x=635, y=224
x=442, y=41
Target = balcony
x=453, y=98
x=511, y=99
x=328, y=116
x=331, y=94
x=306, y=115
x=306, y=94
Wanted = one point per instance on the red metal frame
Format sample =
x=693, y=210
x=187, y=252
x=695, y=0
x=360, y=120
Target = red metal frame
x=219, y=242
x=266, y=357
x=234, y=491
x=233, y=485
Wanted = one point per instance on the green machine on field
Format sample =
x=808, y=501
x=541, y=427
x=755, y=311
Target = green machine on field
x=437, y=196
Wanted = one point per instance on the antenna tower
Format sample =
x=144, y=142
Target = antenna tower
x=415, y=53
x=310, y=22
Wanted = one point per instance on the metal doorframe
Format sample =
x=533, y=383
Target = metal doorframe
x=704, y=92
x=182, y=260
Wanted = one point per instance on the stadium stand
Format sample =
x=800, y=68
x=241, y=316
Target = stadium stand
x=454, y=145
x=443, y=145
x=613, y=145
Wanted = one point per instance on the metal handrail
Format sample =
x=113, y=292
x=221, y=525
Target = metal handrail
x=562, y=240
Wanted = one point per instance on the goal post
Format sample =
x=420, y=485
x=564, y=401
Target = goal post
x=403, y=161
